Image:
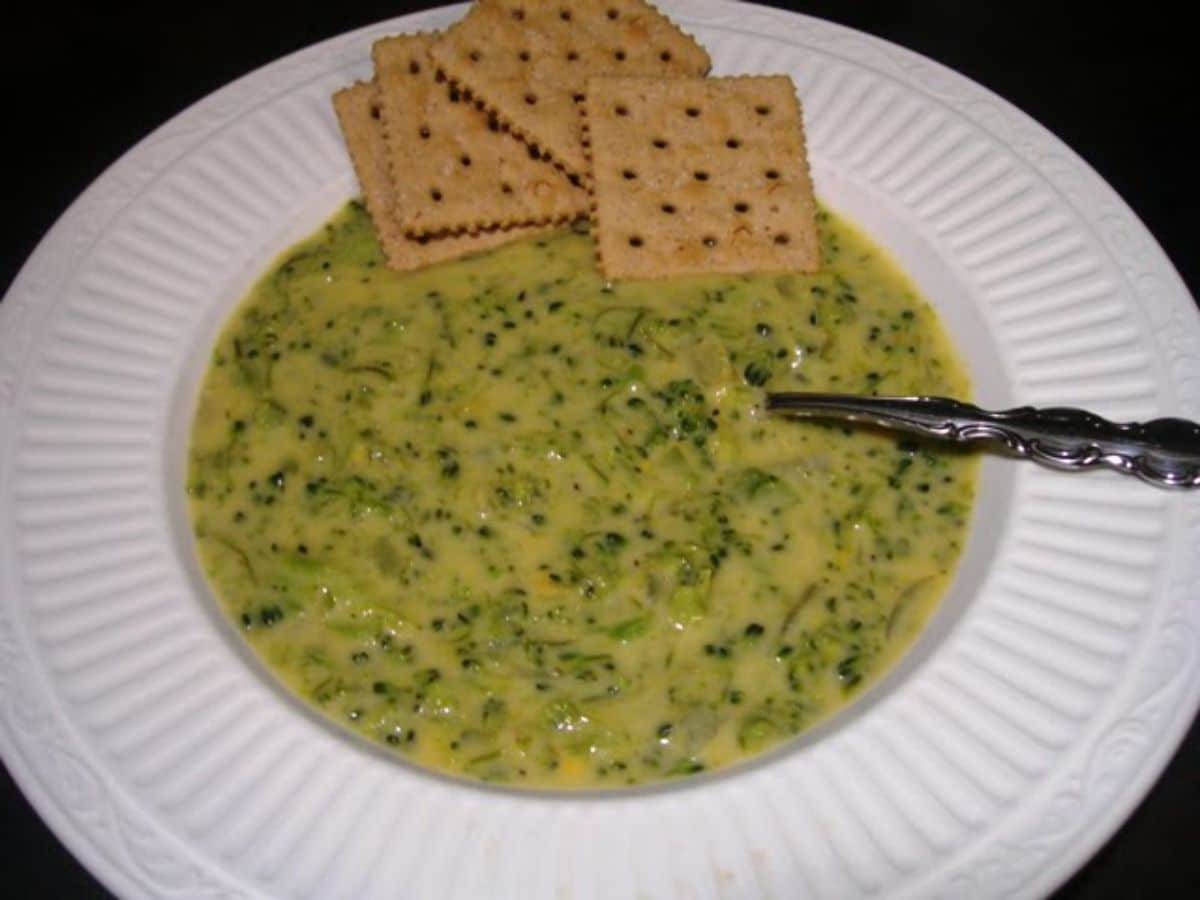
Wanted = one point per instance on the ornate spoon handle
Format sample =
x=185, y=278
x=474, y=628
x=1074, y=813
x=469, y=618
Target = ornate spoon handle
x=1163, y=451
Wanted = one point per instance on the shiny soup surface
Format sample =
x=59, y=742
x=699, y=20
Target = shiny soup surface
x=520, y=525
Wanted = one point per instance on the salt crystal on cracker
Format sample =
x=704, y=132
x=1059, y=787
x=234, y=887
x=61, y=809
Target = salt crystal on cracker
x=357, y=109
x=693, y=175
x=453, y=168
x=529, y=61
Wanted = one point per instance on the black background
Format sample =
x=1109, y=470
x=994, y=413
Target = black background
x=1117, y=83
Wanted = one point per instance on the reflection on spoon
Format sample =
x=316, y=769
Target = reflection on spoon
x=1164, y=452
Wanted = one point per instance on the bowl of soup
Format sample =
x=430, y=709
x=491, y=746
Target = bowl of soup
x=525, y=525
x=495, y=578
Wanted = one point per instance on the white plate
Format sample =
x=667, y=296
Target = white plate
x=1046, y=697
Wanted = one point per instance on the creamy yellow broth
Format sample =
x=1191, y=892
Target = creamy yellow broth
x=526, y=527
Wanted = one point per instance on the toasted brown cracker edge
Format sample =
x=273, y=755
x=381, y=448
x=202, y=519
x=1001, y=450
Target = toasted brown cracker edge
x=494, y=24
x=453, y=168
x=354, y=107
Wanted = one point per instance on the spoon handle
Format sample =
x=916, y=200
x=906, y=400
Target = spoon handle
x=1165, y=452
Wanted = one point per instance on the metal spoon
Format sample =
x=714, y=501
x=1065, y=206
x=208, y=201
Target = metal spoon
x=1165, y=452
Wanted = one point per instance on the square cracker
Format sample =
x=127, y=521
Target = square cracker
x=453, y=167
x=529, y=61
x=696, y=175
x=358, y=113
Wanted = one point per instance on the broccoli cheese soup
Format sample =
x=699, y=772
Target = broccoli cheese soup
x=523, y=526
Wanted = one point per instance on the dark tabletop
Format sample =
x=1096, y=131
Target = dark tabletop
x=1116, y=83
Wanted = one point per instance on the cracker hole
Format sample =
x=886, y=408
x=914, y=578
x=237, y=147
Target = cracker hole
x=628, y=174
x=700, y=175
x=619, y=56
x=475, y=56
x=565, y=15
x=523, y=56
x=621, y=110
x=782, y=238
x=612, y=14
x=660, y=143
x=375, y=111
x=465, y=160
x=518, y=13
x=575, y=180
x=505, y=187
x=572, y=56
x=436, y=195
x=636, y=241
x=454, y=94
x=692, y=111
x=668, y=208
x=425, y=132
x=733, y=143
x=772, y=174
x=493, y=123
x=665, y=56
x=534, y=152
x=577, y=98
x=741, y=207
x=414, y=67
x=762, y=109
x=531, y=99
x=709, y=241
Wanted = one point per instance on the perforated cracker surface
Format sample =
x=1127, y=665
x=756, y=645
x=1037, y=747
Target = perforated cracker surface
x=529, y=60
x=695, y=175
x=453, y=167
x=357, y=110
